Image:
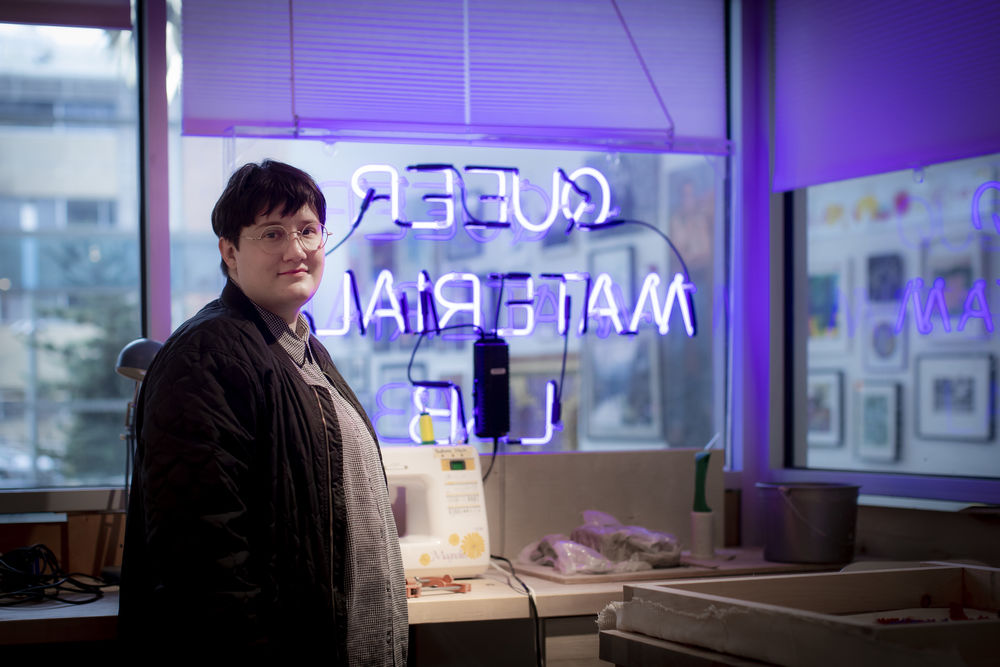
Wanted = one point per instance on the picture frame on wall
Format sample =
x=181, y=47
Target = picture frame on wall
x=623, y=389
x=827, y=306
x=885, y=277
x=954, y=397
x=529, y=377
x=878, y=421
x=623, y=398
x=885, y=348
x=824, y=408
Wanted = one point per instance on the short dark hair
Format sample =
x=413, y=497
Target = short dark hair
x=256, y=189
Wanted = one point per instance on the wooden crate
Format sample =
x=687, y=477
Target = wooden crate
x=830, y=619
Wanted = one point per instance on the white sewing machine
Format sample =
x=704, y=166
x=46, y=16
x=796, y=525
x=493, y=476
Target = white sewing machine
x=440, y=509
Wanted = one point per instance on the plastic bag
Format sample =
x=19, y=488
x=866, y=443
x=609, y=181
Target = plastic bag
x=602, y=544
x=566, y=556
x=619, y=543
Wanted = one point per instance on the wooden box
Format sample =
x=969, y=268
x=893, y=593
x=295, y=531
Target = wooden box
x=933, y=615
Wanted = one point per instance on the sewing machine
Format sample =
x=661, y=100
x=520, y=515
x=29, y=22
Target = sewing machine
x=440, y=509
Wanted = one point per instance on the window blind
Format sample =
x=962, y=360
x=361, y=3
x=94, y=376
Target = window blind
x=867, y=87
x=111, y=14
x=637, y=73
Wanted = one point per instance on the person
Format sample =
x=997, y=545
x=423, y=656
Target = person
x=259, y=514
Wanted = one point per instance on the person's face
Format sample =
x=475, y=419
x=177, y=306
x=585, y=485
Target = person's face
x=282, y=282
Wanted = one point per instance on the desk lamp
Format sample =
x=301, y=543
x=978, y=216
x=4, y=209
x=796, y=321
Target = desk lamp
x=132, y=363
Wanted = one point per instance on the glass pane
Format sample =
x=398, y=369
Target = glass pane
x=631, y=380
x=69, y=256
x=899, y=320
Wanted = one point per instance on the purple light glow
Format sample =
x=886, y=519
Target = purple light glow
x=383, y=285
x=447, y=199
x=552, y=201
x=525, y=304
x=584, y=206
x=383, y=409
x=360, y=185
x=922, y=314
x=980, y=191
x=975, y=306
x=451, y=308
x=604, y=288
x=501, y=198
x=448, y=412
x=679, y=292
x=556, y=199
x=604, y=302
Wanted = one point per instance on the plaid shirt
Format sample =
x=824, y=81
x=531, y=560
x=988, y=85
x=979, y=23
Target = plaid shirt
x=377, y=631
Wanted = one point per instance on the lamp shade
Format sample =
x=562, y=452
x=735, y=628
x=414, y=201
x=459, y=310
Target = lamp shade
x=135, y=358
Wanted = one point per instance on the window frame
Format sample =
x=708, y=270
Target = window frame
x=790, y=365
x=149, y=24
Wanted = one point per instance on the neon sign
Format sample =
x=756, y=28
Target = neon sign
x=384, y=303
x=976, y=306
x=563, y=188
x=458, y=296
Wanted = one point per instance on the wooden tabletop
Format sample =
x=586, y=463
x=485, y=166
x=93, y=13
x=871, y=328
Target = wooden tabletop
x=493, y=596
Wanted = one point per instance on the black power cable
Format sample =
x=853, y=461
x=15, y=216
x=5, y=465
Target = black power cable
x=533, y=610
x=33, y=574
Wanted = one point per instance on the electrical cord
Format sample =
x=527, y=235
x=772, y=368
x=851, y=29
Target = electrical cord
x=493, y=458
x=420, y=338
x=615, y=222
x=532, y=606
x=424, y=383
x=33, y=574
x=365, y=203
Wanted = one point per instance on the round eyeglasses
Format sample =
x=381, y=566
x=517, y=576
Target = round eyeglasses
x=274, y=239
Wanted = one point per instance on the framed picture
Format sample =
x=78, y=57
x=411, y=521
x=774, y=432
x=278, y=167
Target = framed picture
x=691, y=215
x=884, y=347
x=956, y=263
x=619, y=263
x=885, y=277
x=622, y=381
x=824, y=416
x=954, y=397
x=529, y=377
x=878, y=423
x=623, y=394
x=827, y=306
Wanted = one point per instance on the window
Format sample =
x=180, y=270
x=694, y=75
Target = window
x=895, y=323
x=69, y=255
x=653, y=389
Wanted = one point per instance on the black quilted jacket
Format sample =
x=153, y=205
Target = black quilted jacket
x=236, y=525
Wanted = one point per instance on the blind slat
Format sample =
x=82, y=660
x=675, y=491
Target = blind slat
x=559, y=65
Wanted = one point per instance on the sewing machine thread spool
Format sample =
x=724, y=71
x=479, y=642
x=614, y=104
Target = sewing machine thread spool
x=426, y=429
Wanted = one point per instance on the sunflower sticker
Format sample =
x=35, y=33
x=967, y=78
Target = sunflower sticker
x=453, y=539
x=425, y=559
x=473, y=545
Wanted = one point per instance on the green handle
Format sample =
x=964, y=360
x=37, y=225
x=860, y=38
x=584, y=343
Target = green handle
x=700, y=473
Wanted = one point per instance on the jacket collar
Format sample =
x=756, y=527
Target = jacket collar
x=234, y=299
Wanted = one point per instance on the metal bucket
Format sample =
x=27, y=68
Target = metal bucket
x=807, y=522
